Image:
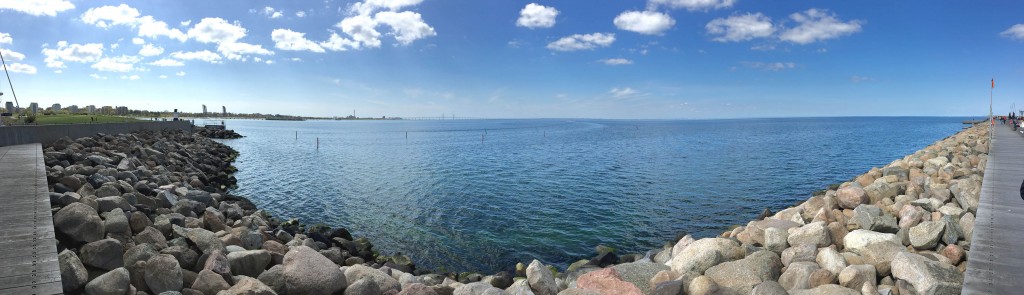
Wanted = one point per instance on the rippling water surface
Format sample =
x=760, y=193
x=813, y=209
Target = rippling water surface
x=483, y=194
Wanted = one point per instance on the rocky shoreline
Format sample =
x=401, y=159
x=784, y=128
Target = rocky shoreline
x=148, y=213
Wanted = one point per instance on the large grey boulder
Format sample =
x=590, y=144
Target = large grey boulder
x=106, y=254
x=831, y=260
x=850, y=197
x=857, y=240
x=274, y=278
x=815, y=233
x=114, y=221
x=249, y=263
x=113, y=202
x=541, y=280
x=797, y=275
x=927, y=234
x=210, y=282
x=163, y=274
x=73, y=274
x=308, y=272
x=775, y=239
x=150, y=235
x=250, y=286
x=829, y=289
x=383, y=281
x=967, y=193
x=113, y=282
x=639, y=273
x=742, y=275
x=207, y=241
x=928, y=277
x=703, y=254
x=854, y=276
x=799, y=253
x=80, y=223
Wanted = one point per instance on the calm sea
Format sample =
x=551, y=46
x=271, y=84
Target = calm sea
x=481, y=195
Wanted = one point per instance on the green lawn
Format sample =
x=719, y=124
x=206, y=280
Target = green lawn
x=80, y=119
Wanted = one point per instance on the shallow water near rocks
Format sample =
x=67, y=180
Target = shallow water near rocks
x=481, y=195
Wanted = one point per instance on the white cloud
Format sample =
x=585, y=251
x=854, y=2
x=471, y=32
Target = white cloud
x=167, y=62
x=11, y=55
x=369, y=6
x=407, y=26
x=337, y=43
x=623, y=92
x=690, y=4
x=97, y=77
x=818, y=25
x=770, y=66
x=582, y=42
x=107, y=16
x=272, y=13
x=616, y=61
x=216, y=30
x=1015, y=32
x=286, y=39
x=644, y=22
x=21, y=68
x=205, y=55
x=741, y=27
x=132, y=77
x=149, y=27
x=186, y=23
x=270, y=62
x=151, y=50
x=362, y=29
x=236, y=50
x=37, y=7
x=300, y=14
x=83, y=53
x=180, y=74
x=138, y=41
x=5, y=38
x=537, y=16
x=117, y=64
x=858, y=79
x=163, y=76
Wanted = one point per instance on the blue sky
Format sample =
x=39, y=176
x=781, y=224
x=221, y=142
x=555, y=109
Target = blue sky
x=520, y=59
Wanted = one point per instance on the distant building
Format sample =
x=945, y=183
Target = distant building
x=73, y=109
x=123, y=111
x=224, y=110
x=10, y=107
x=91, y=109
x=204, y=110
x=33, y=107
x=56, y=107
x=107, y=110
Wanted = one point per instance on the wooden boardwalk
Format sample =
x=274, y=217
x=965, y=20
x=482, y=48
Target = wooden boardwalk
x=995, y=262
x=28, y=249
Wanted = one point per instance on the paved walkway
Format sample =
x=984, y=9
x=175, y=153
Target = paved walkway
x=995, y=263
x=28, y=250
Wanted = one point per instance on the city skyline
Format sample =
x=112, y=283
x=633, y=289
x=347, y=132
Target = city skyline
x=657, y=59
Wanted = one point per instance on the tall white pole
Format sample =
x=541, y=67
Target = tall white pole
x=992, y=121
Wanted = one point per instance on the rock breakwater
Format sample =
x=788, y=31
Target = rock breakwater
x=148, y=212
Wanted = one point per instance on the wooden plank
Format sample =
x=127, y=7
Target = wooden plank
x=996, y=257
x=28, y=262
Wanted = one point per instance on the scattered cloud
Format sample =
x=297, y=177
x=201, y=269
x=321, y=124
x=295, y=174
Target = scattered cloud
x=741, y=27
x=300, y=14
x=205, y=55
x=616, y=61
x=237, y=50
x=150, y=50
x=286, y=39
x=185, y=23
x=644, y=22
x=858, y=79
x=272, y=13
x=138, y=41
x=763, y=47
x=121, y=64
x=365, y=17
x=537, y=16
x=361, y=29
x=369, y=6
x=37, y=7
x=623, y=92
x=97, y=77
x=11, y=55
x=407, y=26
x=690, y=5
x=1016, y=32
x=818, y=25
x=770, y=66
x=108, y=16
x=5, y=38
x=167, y=62
x=180, y=74
x=216, y=30
x=21, y=68
x=132, y=77
x=582, y=42
x=163, y=76
x=82, y=53
x=152, y=28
